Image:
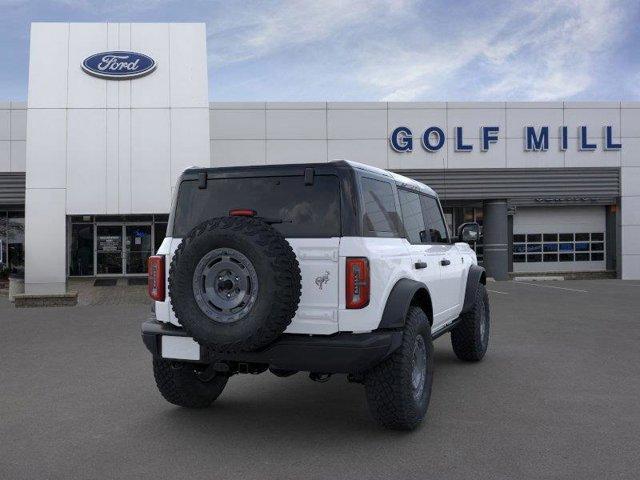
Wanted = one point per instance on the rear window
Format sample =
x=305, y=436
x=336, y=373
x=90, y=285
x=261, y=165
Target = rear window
x=306, y=210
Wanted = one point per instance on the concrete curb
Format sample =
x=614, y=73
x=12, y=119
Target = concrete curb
x=68, y=299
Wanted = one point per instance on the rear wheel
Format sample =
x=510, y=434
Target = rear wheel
x=180, y=384
x=470, y=338
x=399, y=388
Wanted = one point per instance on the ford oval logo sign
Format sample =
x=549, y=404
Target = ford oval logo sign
x=118, y=65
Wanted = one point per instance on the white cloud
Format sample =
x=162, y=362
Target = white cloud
x=248, y=33
x=548, y=50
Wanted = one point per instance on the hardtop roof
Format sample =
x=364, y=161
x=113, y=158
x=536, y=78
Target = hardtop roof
x=321, y=168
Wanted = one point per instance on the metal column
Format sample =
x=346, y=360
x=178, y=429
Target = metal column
x=496, y=239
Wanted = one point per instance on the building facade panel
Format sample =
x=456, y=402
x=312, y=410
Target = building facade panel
x=48, y=62
x=86, y=179
x=5, y=123
x=150, y=160
x=630, y=154
x=227, y=153
x=102, y=157
x=517, y=157
x=111, y=161
x=152, y=91
x=5, y=156
x=471, y=119
x=47, y=148
x=83, y=90
x=230, y=124
x=18, y=124
x=365, y=124
x=518, y=118
x=188, y=56
x=371, y=152
x=107, y=146
x=296, y=124
x=630, y=238
x=45, y=243
x=630, y=213
x=593, y=117
x=630, y=122
x=18, y=155
x=189, y=140
x=574, y=157
x=124, y=161
x=296, y=151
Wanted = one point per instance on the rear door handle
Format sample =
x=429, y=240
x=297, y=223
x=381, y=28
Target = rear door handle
x=444, y=262
x=420, y=265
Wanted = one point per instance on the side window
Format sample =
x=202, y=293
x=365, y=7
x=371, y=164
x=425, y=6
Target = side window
x=380, y=215
x=412, y=216
x=436, y=229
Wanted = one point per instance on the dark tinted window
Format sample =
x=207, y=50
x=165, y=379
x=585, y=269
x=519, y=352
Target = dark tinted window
x=380, y=215
x=436, y=230
x=306, y=210
x=412, y=216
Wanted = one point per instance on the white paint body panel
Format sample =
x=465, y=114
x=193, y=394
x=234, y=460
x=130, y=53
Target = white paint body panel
x=322, y=311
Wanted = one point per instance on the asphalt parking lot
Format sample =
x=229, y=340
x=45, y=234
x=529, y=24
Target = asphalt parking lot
x=557, y=396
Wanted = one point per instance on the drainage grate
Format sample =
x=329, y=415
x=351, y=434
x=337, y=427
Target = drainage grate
x=137, y=281
x=105, y=282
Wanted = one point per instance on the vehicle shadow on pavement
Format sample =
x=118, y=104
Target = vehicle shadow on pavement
x=253, y=405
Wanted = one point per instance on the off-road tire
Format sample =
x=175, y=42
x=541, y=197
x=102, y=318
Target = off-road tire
x=468, y=338
x=179, y=384
x=278, y=275
x=388, y=385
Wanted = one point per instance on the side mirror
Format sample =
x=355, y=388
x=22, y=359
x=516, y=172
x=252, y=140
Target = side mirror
x=469, y=232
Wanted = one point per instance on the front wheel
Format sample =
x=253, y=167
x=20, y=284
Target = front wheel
x=399, y=388
x=180, y=384
x=470, y=338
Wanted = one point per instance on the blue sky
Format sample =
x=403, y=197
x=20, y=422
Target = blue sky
x=378, y=49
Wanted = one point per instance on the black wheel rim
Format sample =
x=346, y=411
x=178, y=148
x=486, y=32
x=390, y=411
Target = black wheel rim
x=225, y=285
x=419, y=367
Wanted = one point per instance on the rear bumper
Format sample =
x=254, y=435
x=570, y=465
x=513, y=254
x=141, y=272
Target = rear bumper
x=338, y=353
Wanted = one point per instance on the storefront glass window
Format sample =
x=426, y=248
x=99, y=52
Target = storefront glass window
x=4, y=265
x=160, y=231
x=100, y=245
x=138, y=248
x=15, y=242
x=81, y=253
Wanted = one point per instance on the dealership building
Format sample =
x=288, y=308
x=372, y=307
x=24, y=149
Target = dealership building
x=116, y=111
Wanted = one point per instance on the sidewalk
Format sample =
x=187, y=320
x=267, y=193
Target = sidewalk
x=121, y=294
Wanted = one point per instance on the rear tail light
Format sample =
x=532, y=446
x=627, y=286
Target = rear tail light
x=358, y=287
x=155, y=283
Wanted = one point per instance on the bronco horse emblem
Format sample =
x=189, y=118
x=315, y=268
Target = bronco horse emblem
x=322, y=279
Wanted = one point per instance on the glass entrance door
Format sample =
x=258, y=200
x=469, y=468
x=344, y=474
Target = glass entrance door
x=138, y=248
x=109, y=250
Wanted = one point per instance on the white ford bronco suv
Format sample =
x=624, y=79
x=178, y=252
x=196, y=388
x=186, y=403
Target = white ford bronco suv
x=324, y=268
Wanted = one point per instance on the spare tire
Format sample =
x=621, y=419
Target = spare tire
x=234, y=283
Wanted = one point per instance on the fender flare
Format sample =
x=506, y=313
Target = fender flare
x=399, y=300
x=476, y=275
